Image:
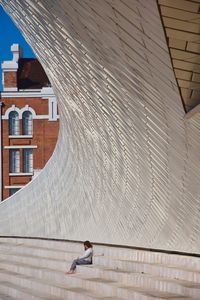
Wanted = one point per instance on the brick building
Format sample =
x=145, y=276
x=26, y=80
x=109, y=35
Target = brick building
x=29, y=121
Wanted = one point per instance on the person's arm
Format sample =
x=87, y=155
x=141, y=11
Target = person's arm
x=86, y=253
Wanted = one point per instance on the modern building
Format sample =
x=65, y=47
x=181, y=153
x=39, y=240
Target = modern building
x=126, y=169
x=29, y=121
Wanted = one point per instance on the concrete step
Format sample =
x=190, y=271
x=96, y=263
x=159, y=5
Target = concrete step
x=38, y=261
x=109, y=287
x=110, y=275
x=4, y=296
x=168, y=271
x=27, y=265
x=182, y=287
x=114, y=252
x=39, y=251
x=59, y=278
x=55, y=260
x=35, y=265
x=33, y=285
x=11, y=291
x=46, y=244
x=56, y=263
x=130, y=293
x=72, y=293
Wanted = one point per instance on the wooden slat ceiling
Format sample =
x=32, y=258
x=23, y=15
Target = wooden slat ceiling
x=181, y=20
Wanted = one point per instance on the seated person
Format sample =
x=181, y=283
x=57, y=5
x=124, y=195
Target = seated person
x=86, y=259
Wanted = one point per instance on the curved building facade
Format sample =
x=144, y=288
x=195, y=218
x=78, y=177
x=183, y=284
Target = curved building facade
x=126, y=168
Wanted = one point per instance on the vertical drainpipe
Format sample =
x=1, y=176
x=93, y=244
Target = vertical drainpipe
x=1, y=133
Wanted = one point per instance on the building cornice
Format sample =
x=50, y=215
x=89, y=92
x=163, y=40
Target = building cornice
x=20, y=147
x=45, y=93
x=9, y=66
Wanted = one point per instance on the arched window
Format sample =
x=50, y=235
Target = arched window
x=13, y=123
x=27, y=123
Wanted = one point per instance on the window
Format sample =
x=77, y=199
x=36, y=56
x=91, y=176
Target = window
x=14, y=161
x=28, y=161
x=13, y=123
x=13, y=191
x=27, y=123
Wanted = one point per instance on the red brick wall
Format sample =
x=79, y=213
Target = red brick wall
x=10, y=79
x=45, y=135
x=39, y=105
x=20, y=180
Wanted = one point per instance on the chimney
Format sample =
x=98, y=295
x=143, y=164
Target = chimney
x=17, y=52
x=9, y=70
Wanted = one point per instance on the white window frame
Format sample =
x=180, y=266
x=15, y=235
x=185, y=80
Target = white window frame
x=20, y=136
x=13, y=186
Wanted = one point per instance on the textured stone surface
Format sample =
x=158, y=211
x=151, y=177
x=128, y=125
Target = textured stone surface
x=36, y=267
x=126, y=166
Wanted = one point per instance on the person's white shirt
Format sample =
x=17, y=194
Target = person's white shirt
x=87, y=255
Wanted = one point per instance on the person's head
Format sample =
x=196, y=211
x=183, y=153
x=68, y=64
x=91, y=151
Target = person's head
x=87, y=245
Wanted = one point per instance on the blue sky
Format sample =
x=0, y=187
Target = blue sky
x=10, y=34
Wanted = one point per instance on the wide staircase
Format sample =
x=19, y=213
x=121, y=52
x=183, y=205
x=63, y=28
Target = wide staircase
x=35, y=269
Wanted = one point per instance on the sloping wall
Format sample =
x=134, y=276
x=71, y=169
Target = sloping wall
x=126, y=166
